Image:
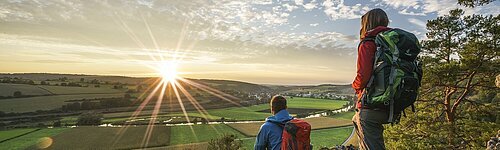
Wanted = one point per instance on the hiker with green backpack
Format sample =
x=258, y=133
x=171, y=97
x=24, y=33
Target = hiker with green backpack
x=388, y=77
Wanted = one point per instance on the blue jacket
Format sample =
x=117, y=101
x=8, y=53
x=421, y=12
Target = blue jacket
x=269, y=136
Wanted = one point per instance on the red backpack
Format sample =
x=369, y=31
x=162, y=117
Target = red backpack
x=296, y=135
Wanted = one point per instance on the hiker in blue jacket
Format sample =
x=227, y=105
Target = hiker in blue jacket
x=270, y=132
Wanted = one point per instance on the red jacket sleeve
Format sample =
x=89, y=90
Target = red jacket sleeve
x=366, y=54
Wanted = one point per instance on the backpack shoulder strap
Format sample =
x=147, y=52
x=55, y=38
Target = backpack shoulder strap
x=368, y=38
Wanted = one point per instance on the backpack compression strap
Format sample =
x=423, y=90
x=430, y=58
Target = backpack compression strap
x=363, y=96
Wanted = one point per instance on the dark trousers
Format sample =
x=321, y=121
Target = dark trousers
x=368, y=125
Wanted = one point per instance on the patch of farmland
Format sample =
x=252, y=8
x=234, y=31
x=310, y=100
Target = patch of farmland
x=7, y=89
x=202, y=133
x=78, y=90
x=313, y=103
x=252, y=129
x=8, y=134
x=30, y=141
x=330, y=137
x=346, y=115
x=109, y=138
x=31, y=104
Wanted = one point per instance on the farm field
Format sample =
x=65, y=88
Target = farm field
x=256, y=112
x=7, y=89
x=313, y=103
x=31, y=139
x=62, y=90
x=330, y=137
x=251, y=129
x=184, y=134
x=4, y=135
x=346, y=115
x=31, y=104
x=105, y=138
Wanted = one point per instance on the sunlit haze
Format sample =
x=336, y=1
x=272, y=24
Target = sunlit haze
x=269, y=42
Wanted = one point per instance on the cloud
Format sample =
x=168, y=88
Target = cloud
x=313, y=24
x=335, y=9
x=311, y=5
x=417, y=22
x=290, y=7
x=440, y=7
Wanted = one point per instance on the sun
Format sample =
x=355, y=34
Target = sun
x=168, y=71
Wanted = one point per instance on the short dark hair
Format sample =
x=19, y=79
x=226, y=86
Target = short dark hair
x=278, y=103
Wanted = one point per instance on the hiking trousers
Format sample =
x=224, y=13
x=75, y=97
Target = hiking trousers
x=368, y=125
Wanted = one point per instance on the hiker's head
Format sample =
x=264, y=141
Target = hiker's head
x=277, y=103
x=372, y=19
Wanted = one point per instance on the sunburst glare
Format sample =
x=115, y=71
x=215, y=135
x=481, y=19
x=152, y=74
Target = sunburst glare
x=168, y=71
x=166, y=64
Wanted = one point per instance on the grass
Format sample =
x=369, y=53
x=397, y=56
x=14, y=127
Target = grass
x=6, y=134
x=184, y=135
x=7, y=89
x=248, y=143
x=31, y=104
x=104, y=138
x=346, y=115
x=30, y=140
x=330, y=137
x=78, y=90
x=313, y=103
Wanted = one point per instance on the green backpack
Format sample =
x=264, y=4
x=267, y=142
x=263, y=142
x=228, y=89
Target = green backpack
x=396, y=75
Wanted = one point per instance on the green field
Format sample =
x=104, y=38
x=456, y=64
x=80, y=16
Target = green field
x=31, y=139
x=346, y=115
x=31, y=104
x=238, y=113
x=313, y=103
x=184, y=134
x=330, y=137
x=78, y=90
x=7, y=89
x=109, y=137
x=13, y=133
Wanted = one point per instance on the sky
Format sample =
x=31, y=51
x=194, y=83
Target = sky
x=260, y=41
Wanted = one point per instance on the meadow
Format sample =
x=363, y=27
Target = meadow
x=8, y=134
x=109, y=137
x=202, y=133
x=64, y=90
x=7, y=89
x=30, y=140
x=30, y=104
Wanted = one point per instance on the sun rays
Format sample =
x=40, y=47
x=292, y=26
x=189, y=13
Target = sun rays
x=169, y=87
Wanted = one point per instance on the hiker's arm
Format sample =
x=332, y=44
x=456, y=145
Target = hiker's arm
x=366, y=53
x=261, y=140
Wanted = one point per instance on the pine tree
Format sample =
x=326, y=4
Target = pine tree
x=461, y=60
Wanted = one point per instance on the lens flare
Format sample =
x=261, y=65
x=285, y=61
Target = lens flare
x=169, y=85
x=168, y=71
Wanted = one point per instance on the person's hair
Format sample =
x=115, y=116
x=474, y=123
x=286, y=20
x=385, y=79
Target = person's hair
x=278, y=103
x=372, y=19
